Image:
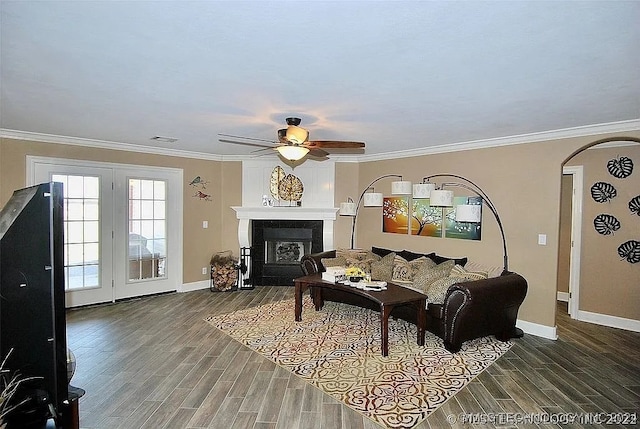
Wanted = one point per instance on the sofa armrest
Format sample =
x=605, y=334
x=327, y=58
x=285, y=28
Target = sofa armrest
x=483, y=307
x=312, y=262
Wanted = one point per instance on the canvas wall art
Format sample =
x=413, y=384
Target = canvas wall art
x=425, y=219
x=462, y=230
x=395, y=215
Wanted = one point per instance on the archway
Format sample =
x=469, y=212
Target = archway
x=600, y=278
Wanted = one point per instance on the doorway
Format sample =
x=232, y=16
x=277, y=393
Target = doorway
x=122, y=228
x=568, y=288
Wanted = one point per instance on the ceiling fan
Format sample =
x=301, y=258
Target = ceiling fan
x=293, y=142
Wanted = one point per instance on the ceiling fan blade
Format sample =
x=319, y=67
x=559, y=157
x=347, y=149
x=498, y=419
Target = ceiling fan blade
x=335, y=144
x=246, y=138
x=246, y=143
x=318, y=153
x=264, y=149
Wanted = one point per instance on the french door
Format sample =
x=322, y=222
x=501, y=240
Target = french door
x=122, y=228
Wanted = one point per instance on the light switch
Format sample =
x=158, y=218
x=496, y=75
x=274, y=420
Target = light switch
x=205, y=224
x=542, y=239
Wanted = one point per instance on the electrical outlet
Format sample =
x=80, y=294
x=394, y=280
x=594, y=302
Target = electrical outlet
x=542, y=239
x=205, y=224
x=204, y=270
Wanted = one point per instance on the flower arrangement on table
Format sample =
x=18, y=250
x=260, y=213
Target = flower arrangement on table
x=355, y=274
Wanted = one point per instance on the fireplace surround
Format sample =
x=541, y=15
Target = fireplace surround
x=322, y=218
x=277, y=247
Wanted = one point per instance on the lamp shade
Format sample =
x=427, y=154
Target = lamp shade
x=441, y=198
x=292, y=152
x=347, y=209
x=423, y=190
x=401, y=187
x=468, y=213
x=372, y=199
x=296, y=134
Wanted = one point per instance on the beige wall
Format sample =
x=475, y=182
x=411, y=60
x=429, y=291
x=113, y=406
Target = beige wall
x=523, y=181
x=608, y=283
x=199, y=244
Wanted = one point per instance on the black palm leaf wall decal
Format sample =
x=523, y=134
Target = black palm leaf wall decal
x=630, y=250
x=606, y=224
x=603, y=192
x=620, y=167
x=634, y=205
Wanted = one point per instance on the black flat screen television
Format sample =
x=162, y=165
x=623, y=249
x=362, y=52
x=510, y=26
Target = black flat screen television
x=32, y=301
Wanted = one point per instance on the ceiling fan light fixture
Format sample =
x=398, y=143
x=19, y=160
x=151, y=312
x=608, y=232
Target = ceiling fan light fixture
x=292, y=152
x=296, y=134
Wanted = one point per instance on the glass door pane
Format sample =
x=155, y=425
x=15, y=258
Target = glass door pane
x=147, y=254
x=81, y=230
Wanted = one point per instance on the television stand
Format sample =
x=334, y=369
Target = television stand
x=71, y=415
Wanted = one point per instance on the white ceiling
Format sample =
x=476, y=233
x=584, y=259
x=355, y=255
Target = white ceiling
x=399, y=75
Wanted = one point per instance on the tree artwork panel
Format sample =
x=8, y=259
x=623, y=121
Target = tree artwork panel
x=426, y=220
x=395, y=215
x=462, y=230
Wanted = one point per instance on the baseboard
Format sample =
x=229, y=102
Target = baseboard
x=190, y=287
x=538, y=330
x=610, y=321
x=563, y=296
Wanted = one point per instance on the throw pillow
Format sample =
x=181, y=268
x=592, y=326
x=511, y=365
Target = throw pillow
x=410, y=256
x=383, y=269
x=359, y=254
x=437, y=291
x=334, y=262
x=418, y=263
x=440, y=259
x=381, y=251
x=363, y=264
x=465, y=274
x=427, y=275
x=401, y=270
x=493, y=271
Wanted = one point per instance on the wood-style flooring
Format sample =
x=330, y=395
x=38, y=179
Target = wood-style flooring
x=154, y=363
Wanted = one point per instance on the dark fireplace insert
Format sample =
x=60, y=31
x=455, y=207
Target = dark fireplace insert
x=277, y=247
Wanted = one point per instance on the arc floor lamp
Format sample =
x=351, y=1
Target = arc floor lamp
x=372, y=199
x=438, y=197
x=465, y=213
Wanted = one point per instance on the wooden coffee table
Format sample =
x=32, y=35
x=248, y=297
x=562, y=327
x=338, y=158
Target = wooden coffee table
x=393, y=296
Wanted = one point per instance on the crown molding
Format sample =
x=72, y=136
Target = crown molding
x=588, y=130
x=104, y=144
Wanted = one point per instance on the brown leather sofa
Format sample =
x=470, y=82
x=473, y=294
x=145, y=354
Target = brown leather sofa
x=471, y=309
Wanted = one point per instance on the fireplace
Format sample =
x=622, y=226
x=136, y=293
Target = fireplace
x=277, y=246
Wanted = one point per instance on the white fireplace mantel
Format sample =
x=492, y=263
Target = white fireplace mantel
x=246, y=214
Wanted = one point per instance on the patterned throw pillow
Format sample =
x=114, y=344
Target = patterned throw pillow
x=383, y=269
x=363, y=264
x=427, y=275
x=418, y=263
x=438, y=290
x=334, y=262
x=401, y=270
x=466, y=274
x=358, y=254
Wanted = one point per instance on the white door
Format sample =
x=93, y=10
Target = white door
x=147, y=232
x=118, y=223
x=88, y=222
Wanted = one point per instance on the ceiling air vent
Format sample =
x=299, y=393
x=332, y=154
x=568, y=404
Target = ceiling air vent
x=164, y=139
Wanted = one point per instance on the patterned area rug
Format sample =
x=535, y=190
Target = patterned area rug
x=337, y=349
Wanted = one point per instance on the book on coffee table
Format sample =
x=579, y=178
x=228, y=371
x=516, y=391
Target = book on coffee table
x=371, y=285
